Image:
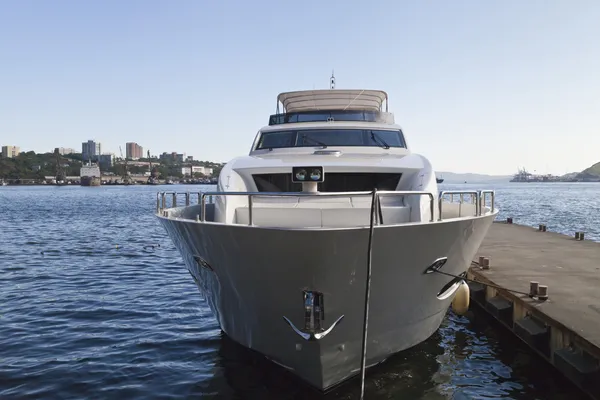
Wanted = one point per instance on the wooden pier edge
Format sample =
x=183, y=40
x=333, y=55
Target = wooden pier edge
x=575, y=357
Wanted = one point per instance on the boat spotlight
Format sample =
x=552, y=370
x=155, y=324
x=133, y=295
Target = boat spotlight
x=300, y=175
x=315, y=175
x=308, y=174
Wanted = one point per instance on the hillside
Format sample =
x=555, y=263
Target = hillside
x=29, y=165
x=591, y=173
x=570, y=175
x=452, y=177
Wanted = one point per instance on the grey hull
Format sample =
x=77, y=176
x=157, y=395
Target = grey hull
x=254, y=276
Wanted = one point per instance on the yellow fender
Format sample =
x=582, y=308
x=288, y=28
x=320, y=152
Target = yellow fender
x=460, y=303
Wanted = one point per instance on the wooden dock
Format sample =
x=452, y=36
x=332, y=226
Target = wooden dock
x=565, y=328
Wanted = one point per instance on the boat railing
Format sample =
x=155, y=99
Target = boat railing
x=161, y=199
x=475, y=197
x=478, y=198
x=482, y=200
x=251, y=195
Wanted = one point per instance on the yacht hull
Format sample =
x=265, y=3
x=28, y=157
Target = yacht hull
x=253, y=277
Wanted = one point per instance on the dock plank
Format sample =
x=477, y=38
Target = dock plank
x=571, y=270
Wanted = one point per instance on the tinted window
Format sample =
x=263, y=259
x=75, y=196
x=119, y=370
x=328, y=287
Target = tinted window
x=331, y=137
x=282, y=139
x=319, y=116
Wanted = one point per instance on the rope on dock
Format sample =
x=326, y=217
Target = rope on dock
x=374, y=201
x=482, y=283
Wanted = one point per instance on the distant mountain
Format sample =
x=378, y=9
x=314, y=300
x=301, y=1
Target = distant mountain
x=590, y=174
x=452, y=177
x=570, y=175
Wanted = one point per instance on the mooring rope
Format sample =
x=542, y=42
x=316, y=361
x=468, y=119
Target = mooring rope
x=363, y=360
x=481, y=283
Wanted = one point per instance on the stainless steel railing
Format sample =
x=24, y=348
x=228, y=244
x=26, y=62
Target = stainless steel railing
x=477, y=198
x=474, y=196
x=161, y=199
x=482, y=198
x=251, y=195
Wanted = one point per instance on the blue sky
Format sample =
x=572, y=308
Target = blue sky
x=478, y=86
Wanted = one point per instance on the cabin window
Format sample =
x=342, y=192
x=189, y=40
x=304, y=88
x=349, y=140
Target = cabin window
x=321, y=116
x=284, y=139
x=331, y=137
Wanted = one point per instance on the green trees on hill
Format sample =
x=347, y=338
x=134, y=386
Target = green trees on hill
x=29, y=165
x=166, y=171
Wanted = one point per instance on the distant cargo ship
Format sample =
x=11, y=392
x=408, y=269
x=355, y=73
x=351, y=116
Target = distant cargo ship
x=90, y=175
x=524, y=176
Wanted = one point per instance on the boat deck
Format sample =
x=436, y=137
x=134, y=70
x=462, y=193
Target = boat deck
x=565, y=329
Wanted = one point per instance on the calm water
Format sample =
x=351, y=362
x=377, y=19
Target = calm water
x=95, y=303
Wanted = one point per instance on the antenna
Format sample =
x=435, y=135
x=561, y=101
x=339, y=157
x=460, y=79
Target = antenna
x=332, y=80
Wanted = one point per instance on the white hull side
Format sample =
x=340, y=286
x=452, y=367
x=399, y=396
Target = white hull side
x=260, y=273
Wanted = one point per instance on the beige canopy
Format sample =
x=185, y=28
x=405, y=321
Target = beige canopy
x=333, y=99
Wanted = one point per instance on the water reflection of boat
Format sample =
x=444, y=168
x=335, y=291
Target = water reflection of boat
x=244, y=373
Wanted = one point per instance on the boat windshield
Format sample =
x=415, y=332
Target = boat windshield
x=331, y=137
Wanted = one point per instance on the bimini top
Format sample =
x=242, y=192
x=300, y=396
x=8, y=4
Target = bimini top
x=332, y=99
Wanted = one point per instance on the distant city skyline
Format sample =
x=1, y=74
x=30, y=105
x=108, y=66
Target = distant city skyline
x=99, y=150
x=483, y=87
x=90, y=147
x=158, y=154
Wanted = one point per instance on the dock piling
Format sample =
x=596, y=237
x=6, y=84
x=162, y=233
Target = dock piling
x=509, y=220
x=533, y=288
x=486, y=263
x=542, y=292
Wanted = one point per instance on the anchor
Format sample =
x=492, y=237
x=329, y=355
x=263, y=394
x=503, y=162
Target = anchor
x=314, y=313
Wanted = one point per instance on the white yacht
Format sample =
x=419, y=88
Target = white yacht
x=330, y=197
